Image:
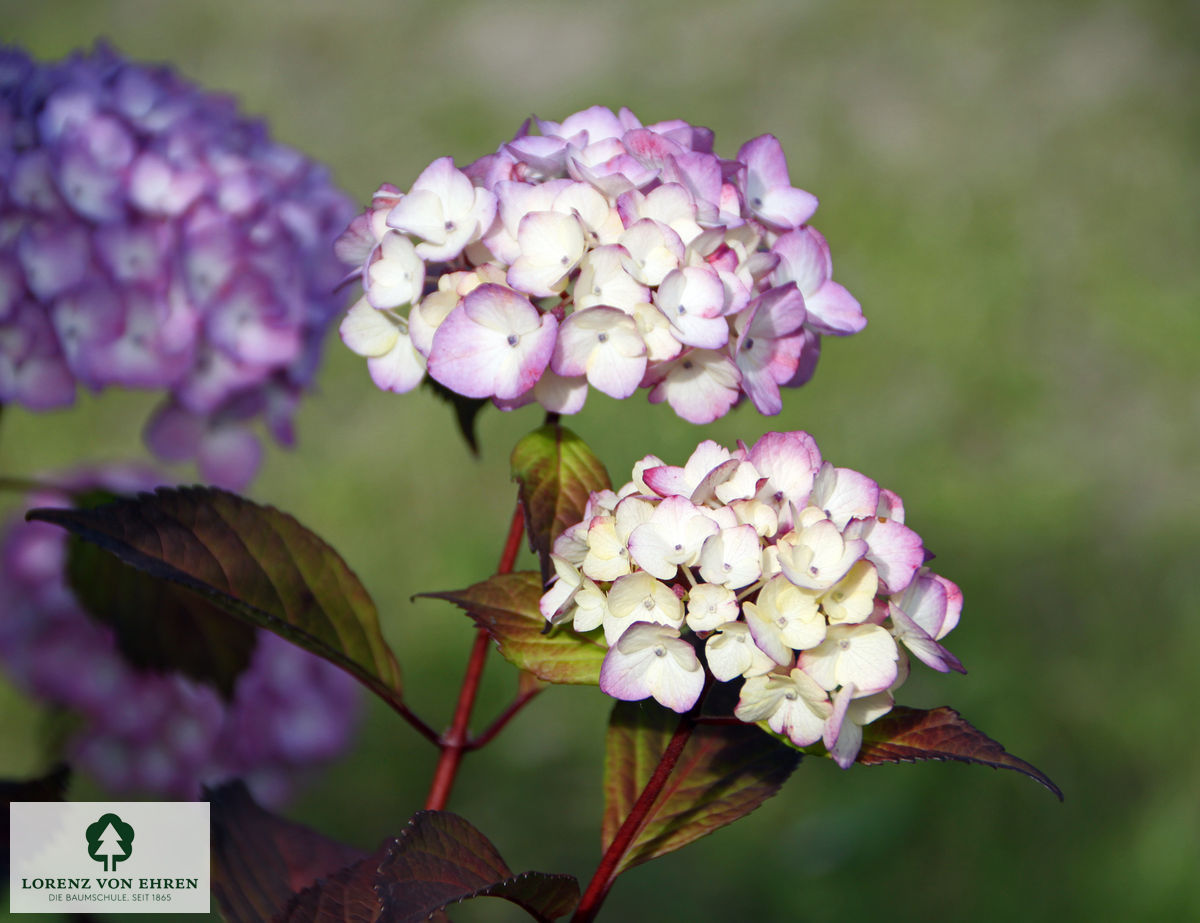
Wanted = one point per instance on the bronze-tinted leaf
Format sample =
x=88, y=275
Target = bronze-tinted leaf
x=252, y=561
x=440, y=859
x=260, y=861
x=556, y=472
x=158, y=625
x=723, y=773
x=506, y=605
x=906, y=735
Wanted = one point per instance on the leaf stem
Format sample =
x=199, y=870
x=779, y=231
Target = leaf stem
x=503, y=718
x=639, y=816
x=455, y=742
x=416, y=723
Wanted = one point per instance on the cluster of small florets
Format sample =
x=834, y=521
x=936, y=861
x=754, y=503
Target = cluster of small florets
x=765, y=565
x=161, y=732
x=599, y=252
x=150, y=237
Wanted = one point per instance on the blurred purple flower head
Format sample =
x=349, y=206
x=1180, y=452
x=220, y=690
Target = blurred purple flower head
x=160, y=732
x=151, y=237
x=599, y=252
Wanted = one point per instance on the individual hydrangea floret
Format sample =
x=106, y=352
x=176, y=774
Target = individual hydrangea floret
x=153, y=238
x=762, y=565
x=152, y=732
x=651, y=262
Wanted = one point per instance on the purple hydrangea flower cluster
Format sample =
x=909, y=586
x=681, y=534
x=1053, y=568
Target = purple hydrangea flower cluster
x=796, y=578
x=161, y=732
x=602, y=252
x=151, y=237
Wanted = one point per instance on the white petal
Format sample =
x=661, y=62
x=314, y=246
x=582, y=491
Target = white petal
x=368, y=331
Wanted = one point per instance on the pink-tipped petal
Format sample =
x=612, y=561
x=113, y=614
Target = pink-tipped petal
x=494, y=344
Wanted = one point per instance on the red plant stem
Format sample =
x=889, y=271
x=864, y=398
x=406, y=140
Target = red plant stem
x=454, y=742
x=606, y=872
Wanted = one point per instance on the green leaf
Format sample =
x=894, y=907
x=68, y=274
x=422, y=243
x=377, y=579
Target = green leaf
x=252, y=561
x=160, y=626
x=556, y=472
x=466, y=409
x=906, y=735
x=724, y=772
x=440, y=859
x=506, y=605
x=260, y=861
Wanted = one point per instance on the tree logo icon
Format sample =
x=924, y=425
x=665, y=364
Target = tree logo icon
x=110, y=840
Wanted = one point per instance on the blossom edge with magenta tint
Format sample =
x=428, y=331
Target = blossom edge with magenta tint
x=598, y=253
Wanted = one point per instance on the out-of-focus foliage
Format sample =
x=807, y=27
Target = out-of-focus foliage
x=1011, y=191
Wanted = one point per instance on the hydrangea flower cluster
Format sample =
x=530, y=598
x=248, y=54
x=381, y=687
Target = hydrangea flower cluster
x=161, y=732
x=150, y=237
x=598, y=252
x=765, y=565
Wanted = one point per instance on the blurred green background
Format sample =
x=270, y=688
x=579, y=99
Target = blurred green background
x=1012, y=192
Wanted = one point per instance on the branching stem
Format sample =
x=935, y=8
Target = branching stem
x=503, y=718
x=455, y=742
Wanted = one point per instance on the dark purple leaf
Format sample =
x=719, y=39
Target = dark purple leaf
x=906, y=735
x=440, y=859
x=260, y=861
x=346, y=896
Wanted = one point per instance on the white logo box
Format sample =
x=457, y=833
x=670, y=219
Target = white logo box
x=109, y=857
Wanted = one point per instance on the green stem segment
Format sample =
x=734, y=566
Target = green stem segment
x=456, y=741
x=639, y=815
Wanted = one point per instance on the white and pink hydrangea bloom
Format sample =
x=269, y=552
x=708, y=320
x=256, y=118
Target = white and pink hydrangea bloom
x=762, y=565
x=156, y=239
x=662, y=265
